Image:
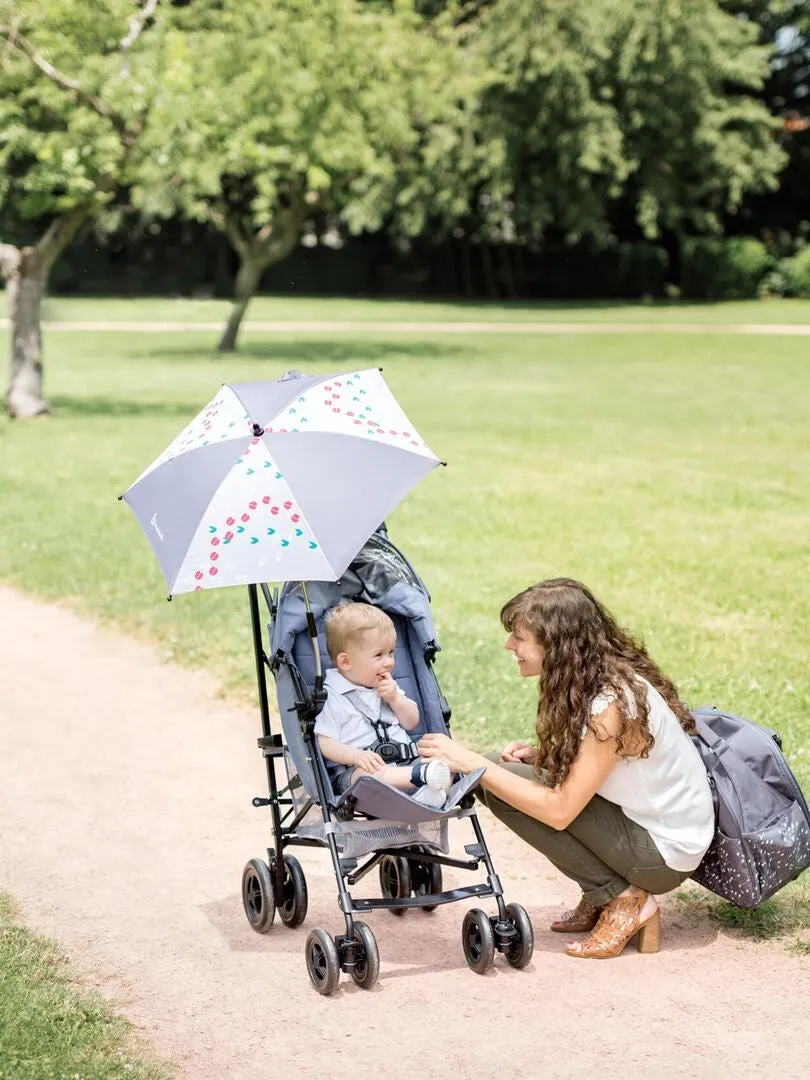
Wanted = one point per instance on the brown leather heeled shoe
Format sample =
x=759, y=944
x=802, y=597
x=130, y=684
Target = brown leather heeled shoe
x=619, y=922
x=579, y=921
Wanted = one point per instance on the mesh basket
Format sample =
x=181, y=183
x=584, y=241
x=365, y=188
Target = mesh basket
x=358, y=838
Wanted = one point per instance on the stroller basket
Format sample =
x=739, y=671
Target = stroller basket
x=406, y=842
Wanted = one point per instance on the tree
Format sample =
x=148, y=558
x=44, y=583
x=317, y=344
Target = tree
x=274, y=111
x=784, y=27
x=75, y=85
x=624, y=100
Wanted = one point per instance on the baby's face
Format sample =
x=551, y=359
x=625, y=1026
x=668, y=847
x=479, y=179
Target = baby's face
x=368, y=663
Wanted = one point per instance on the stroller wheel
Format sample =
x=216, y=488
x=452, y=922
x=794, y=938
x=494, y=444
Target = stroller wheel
x=395, y=879
x=478, y=940
x=427, y=879
x=367, y=965
x=323, y=962
x=292, y=904
x=519, y=952
x=257, y=895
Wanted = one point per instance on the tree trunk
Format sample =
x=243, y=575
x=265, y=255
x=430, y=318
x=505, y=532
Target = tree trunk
x=247, y=282
x=256, y=251
x=24, y=289
x=26, y=273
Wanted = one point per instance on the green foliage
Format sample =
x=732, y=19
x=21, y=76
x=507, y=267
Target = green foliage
x=358, y=109
x=56, y=151
x=800, y=273
x=723, y=269
x=50, y=1029
x=625, y=99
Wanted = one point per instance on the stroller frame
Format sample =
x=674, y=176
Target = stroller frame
x=410, y=877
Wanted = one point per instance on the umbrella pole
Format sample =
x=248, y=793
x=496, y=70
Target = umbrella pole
x=313, y=635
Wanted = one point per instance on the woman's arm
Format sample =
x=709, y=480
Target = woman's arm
x=557, y=806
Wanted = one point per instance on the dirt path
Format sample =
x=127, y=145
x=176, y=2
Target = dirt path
x=125, y=821
x=437, y=327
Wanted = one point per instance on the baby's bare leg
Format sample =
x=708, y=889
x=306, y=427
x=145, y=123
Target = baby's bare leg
x=398, y=776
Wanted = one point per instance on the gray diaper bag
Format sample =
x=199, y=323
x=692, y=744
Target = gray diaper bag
x=762, y=830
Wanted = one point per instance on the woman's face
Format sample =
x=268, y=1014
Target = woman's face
x=528, y=651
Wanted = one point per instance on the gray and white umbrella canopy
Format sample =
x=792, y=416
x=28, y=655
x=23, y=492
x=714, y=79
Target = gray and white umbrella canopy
x=278, y=481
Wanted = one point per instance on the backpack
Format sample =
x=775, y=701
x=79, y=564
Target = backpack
x=762, y=831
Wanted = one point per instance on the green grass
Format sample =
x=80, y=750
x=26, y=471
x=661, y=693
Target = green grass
x=668, y=473
x=285, y=308
x=785, y=916
x=50, y=1029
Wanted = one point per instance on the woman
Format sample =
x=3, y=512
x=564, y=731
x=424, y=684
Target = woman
x=614, y=793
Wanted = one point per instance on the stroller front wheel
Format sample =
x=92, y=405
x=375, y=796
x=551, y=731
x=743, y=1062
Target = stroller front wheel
x=257, y=895
x=478, y=940
x=519, y=952
x=323, y=962
x=366, y=969
x=292, y=904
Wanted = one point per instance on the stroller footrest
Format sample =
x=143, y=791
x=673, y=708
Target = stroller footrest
x=428, y=900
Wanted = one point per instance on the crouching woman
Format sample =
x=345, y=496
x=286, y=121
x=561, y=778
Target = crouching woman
x=614, y=792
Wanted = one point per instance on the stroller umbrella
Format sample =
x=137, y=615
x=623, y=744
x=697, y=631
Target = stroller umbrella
x=278, y=481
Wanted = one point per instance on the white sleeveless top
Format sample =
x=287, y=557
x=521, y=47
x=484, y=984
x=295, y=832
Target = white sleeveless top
x=668, y=792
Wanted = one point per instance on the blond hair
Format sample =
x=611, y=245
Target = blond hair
x=346, y=624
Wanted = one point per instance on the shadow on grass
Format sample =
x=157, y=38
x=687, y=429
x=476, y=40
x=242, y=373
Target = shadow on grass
x=318, y=351
x=782, y=915
x=87, y=407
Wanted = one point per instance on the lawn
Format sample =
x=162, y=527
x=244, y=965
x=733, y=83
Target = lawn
x=293, y=308
x=667, y=472
x=51, y=1029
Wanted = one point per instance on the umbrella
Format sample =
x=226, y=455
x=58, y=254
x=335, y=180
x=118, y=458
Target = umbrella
x=278, y=481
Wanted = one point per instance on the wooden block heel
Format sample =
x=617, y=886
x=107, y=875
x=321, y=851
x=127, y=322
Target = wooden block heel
x=649, y=936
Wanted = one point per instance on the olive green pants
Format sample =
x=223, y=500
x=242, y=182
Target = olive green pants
x=602, y=849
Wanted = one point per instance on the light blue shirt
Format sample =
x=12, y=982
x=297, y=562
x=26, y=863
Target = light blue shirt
x=350, y=711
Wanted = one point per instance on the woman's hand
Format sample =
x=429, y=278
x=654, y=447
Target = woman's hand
x=519, y=751
x=457, y=758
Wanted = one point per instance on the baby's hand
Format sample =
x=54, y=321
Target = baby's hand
x=387, y=688
x=368, y=761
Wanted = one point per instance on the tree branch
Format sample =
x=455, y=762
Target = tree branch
x=228, y=223
x=60, y=232
x=136, y=25
x=64, y=82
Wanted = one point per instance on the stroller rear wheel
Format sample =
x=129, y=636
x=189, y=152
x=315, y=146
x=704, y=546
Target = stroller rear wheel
x=478, y=940
x=427, y=880
x=323, y=962
x=292, y=904
x=257, y=895
x=395, y=880
x=519, y=952
x=367, y=963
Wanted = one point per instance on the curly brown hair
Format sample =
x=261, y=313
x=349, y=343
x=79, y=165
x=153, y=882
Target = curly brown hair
x=586, y=653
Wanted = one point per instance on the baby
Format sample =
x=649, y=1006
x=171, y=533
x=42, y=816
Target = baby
x=365, y=707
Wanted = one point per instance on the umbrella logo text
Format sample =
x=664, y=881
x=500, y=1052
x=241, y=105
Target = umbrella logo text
x=155, y=526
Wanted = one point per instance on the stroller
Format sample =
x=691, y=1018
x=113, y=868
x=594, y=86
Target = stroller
x=371, y=825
